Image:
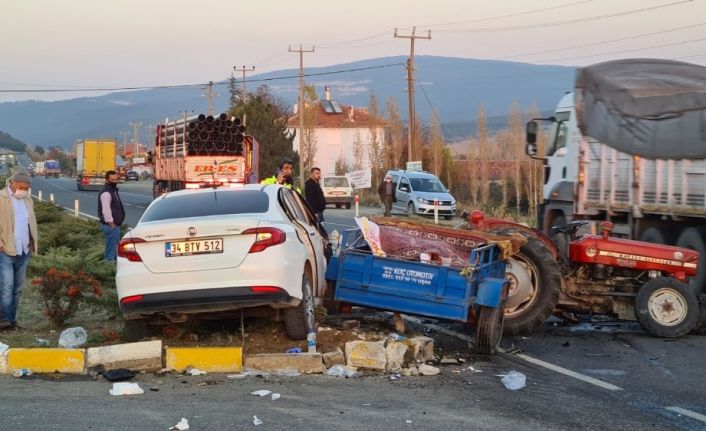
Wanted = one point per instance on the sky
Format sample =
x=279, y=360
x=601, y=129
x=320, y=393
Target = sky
x=81, y=44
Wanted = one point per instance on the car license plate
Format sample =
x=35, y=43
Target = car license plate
x=189, y=248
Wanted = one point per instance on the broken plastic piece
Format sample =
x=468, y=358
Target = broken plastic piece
x=342, y=371
x=261, y=393
x=71, y=338
x=195, y=372
x=514, y=380
x=181, y=426
x=275, y=397
x=294, y=350
x=256, y=421
x=287, y=372
x=124, y=388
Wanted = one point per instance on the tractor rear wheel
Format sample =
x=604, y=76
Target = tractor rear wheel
x=666, y=307
x=535, y=283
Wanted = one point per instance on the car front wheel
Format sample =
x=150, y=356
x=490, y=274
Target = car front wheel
x=300, y=320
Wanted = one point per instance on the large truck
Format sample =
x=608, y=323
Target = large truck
x=94, y=157
x=39, y=168
x=203, y=151
x=52, y=168
x=629, y=146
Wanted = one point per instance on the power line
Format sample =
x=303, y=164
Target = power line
x=565, y=22
x=603, y=42
x=160, y=87
x=491, y=18
x=625, y=51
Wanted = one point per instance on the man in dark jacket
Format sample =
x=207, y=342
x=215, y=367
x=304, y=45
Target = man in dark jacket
x=111, y=215
x=313, y=193
x=386, y=190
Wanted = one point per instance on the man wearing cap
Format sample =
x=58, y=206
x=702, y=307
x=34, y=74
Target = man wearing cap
x=111, y=214
x=18, y=240
x=386, y=190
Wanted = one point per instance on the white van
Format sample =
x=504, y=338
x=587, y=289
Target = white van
x=337, y=191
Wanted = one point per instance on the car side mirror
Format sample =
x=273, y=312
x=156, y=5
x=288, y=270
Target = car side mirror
x=531, y=139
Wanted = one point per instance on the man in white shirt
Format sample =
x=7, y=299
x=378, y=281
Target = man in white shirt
x=18, y=240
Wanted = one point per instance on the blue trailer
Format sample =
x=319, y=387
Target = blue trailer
x=425, y=289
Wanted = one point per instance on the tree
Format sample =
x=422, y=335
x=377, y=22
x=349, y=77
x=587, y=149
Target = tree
x=358, y=151
x=516, y=141
x=482, y=131
x=437, y=146
x=341, y=167
x=376, y=144
x=236, y=93
x=39, y=150
x=307, y=139
x=395, y=147
x=267, y=122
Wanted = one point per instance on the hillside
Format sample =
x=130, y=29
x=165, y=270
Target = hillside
x=455, y=87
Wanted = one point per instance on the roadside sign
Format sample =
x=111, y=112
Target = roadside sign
x=360, y=179
x=414, y=166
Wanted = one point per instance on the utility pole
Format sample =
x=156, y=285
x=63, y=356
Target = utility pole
x=136, y=135
x=125, y=134
x=244, y=70
x=209, y=96
x=301, y=52
x=410, y=88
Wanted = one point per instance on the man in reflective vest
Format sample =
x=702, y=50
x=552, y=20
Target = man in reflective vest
x=283, y=176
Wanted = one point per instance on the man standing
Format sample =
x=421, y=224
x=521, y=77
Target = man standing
x=18, y=240
x=313, y=193
x=111, y=215
x=386, y=190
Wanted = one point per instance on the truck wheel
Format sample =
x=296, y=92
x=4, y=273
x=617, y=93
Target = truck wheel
x=411, y=211
x=693, y=238
x=348, y=205
x=535, y=283
x=665, y=307
x=300, y=320
x=655, y=235
x=489, y=329
x=136, y=330
x=338, y=205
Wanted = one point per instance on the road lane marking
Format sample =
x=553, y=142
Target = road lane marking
x=72, y=210
x=689, y=413
x=530, y=359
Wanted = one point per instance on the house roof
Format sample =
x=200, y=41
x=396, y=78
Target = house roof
x=351, y=116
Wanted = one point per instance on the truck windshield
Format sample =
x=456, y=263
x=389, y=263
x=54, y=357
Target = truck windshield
x=559, y=133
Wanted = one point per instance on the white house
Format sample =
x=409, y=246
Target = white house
x=336, y=129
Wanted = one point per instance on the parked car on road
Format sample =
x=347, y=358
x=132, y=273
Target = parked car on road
x=337, y=191
x=132, y=175
x=416, y=192
x=206, y=252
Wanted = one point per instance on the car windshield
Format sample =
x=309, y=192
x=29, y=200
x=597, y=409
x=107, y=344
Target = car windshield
x=208, y=204
x=336, y=182
x=427, y=185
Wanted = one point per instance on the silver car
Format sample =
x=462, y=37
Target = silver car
x=416, y=193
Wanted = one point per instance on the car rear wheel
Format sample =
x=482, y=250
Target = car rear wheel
x=300, y=320
x=666, y=307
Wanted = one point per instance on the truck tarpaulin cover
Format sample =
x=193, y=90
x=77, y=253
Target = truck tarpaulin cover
x=647, y=107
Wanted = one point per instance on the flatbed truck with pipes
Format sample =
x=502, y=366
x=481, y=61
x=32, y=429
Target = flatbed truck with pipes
x=203, y=151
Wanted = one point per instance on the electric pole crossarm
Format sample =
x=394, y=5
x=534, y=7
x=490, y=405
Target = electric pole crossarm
x=244, y=70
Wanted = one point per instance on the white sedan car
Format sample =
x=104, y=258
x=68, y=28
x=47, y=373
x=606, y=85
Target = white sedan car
x=218, y=250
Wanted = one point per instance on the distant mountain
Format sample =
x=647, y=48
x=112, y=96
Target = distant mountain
x=454, y=87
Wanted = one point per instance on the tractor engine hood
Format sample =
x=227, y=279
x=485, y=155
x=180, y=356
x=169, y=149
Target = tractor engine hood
x=638, y=255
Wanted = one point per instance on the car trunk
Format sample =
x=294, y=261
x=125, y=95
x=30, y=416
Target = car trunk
x=218, y=243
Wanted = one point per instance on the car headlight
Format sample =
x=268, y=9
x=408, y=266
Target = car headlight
x=421, y=201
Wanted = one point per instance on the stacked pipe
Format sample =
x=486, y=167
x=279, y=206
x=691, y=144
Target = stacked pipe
x=201, y=135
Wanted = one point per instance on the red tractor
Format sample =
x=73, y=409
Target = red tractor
x=596, y=274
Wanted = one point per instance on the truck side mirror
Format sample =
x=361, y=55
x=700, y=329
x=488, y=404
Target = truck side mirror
x=531, y=139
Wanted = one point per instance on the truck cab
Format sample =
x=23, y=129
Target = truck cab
x=560, y=166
